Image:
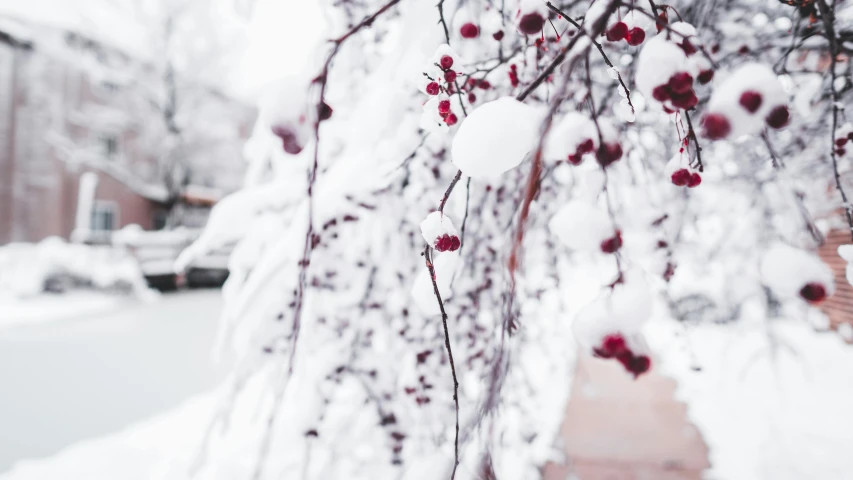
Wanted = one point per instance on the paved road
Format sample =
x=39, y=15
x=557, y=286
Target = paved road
x=80, y=378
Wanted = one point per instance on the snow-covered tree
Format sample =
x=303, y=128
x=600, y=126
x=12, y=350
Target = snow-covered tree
x=459, y=193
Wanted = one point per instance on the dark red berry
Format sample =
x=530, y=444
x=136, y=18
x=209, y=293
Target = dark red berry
x=715, y=126
x=498, y=35
x=444, y=106
x=471, y=97
x=840, y=152
x=680, y=177
x=289, y=141
x=839, y=142
x=443, y=114
x=586, y=146
x=638, y=365
x=531, y=23
x=617, y=32
x=469, y=30
x=850, y=136
x=455, y=243
x=324, y=111
x=432, y=88
x=484, y=84
x=450, y=76
x=635, y=36
x=685, y=101
x=615, y=344
x=451, y=120
x=609, y=153
x=575, y=159
x=778, y=117
x=443, y=243
x=661, y=93
x=687, y=47
x=681, y=82
x=715, y=48
x=813, y=292
x=705, y=76
x=662, y=21
x=694, y=180
x=446, y=62
x=669, y=272
x=612, y=244
x=743, y=50
x=751, y=101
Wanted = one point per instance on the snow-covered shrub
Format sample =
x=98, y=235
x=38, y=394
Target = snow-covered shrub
x=340, y=302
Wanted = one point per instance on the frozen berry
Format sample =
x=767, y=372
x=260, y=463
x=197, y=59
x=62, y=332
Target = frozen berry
x=705, y=76
x=661, y=93
x=498, y=35
x=839, y=142
x=432, y=88
x=686, y=100
x=669, y=272
x=450, y=76
x=687, y=47
x=586, y=146
x=694, y=180
x=324, y=111
x=531, y=23
x=778, y=117
x=446, y=62
x=471, y=97
x=451, y=120
x=681, y=82
x=680, y=177
x=813, y=292
x=484, y=84
x=637, y=365
x=612, y=244
x=840, y=152
x=613, y=345
x=635, y=36
x=715, y=126
x=609, y=153
x=455, y=243
x=289, y=140
x=617, y=32
x=575, y=159
x=750, y=100
x=469, y=30
x=444, y=106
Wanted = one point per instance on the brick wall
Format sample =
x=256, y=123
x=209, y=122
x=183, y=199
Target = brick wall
x=838, y=307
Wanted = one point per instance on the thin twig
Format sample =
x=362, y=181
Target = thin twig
x=465, y=218
x=442, y=21
x=449, y=190
x=828, y=19
x=692, y=135
x=431, y=270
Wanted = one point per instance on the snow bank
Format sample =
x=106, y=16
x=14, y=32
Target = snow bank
x=53, y=265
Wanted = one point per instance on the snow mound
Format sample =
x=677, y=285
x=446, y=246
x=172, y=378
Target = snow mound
x=788, y=270
x=580, y=225
x=438, y=231
x=747, y=98
x=495, y=138
x=572, y=138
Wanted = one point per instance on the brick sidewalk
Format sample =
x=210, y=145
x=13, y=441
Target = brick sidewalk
x=617, y=428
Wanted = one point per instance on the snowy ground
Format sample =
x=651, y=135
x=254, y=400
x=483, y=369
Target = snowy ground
x=51, y=308
x=106, y=364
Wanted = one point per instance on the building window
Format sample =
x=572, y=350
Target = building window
x=104, y=216
x=108, y=145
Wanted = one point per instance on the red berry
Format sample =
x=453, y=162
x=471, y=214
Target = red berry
x=498, y=35
x=694, y=180
x=451, y=120
x=575, y=159
x=840, y=152
x=586, y=146
x=638, y=365
x=484, y=84
x=471, y=97
x=614, y=344
x=680, y=177
x=617, y=32
x=669, y=272
x=469, y=30
x=531, y=23
x=635, y=36
x=689, y=48
x=455, y=243
x=444, y=106
x=839, y=142
x=750, y=100
x=662, y=21
x=289, y=141
x=661, y=93
x=850, y=136
x=612, y=244
x=681, y=82
x=715, y=126
x=778, y=117
x=813, y=292
x=324, y=111
x=450, y=76
x=685, y=101
x=442, y=243
x=609, y=153
x=705, y=76
x=446, y=62
x=432, y=88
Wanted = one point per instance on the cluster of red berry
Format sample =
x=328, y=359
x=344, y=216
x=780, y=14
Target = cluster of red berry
x=612, y=244
x=434, y=88
x=678, y=91
x=620, y=31
x=615, y=346
x=447, y=243
x=684, y=178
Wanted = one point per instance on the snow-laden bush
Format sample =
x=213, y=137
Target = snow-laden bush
x=384, y=357
x=52, y=265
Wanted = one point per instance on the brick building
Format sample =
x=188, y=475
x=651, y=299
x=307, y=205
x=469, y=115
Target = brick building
x=81, y=145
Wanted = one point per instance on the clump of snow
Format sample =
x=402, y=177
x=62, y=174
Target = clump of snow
x=658, y=61
x=581, y=225
x=788, y=271
x=845, y=331
x=286, y=113
x=422, y=291
x=438, y=231
x=747, y=98
x=495, y=138
x=680, y=173
x=28, y=269
x=846, y=252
